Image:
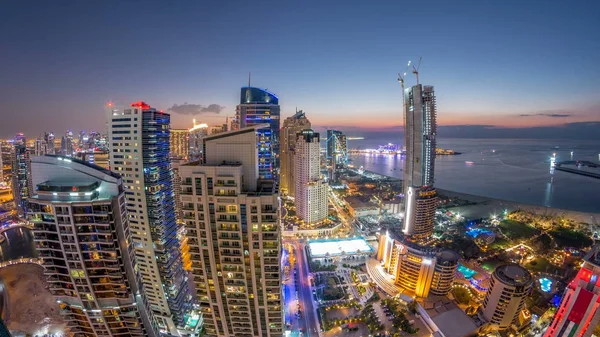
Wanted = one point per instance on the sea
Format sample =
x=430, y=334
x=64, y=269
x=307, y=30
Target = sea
x=517, y=170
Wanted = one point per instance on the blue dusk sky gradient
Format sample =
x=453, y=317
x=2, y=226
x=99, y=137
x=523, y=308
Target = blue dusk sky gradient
x=513, y=64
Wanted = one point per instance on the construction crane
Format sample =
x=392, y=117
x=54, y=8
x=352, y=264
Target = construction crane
x=416, y=70
x=401, y=77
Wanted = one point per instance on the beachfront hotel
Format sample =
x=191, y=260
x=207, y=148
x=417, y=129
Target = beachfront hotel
x=505, y=299
x=420, y=198
x=232, y=221
x=421, y=270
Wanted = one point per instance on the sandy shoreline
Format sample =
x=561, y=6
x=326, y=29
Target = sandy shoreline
x=487, y=206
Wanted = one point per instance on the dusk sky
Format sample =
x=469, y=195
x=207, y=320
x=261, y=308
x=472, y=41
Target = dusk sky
x=499, y=63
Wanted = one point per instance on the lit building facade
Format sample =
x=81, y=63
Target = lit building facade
x=179, y=143
x=422, y=270
x=139, y=136
x=41, y=147
x=66, y=144
x=259, y=106
x=579, y=311
x=21, y=173
x=82, y=234
x=232, y=222
x=505, y=299
x=337, y=148
x=196, y=135
x=420, y=198
x=310, y=195
x=289, y=135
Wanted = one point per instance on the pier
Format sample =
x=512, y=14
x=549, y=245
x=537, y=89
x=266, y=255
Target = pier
x=578, y=163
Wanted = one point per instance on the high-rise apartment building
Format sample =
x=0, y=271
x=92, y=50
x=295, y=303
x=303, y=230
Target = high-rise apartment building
x=420, y=198
x=289, y=134
x=40, y=147
x=258, y=106
x=7, y=157
x=422, y=270
x=232, y=222
x=179, y=143
x=139, y=137
x=310, y=195
x=505, y=299
x=21, y=173
x=579, y=311
x=337, y=148
x=196, y=135
x=82, y=234
x=51, y=145
x=67, y=144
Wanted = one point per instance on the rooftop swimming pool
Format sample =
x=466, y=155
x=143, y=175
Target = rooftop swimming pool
x=468, y=273
x=338, y=247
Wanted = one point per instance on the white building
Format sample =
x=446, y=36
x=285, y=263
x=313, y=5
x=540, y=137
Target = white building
x=509, y=287
x=232, y=222
x=311, y=191
x=139, y=138
x=83, y=236
x=289, y=135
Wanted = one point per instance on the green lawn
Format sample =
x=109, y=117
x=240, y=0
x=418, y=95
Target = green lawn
x=540, y=264
x=569, y=238
x=515, y=230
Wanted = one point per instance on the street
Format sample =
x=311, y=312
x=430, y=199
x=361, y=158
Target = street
x=308, y=321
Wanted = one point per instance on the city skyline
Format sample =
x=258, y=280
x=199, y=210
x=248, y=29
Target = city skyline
x=539, y=70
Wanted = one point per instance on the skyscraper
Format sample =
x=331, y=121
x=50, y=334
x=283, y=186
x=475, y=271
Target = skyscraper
x=258, y=106
x=66, y=144
x=420, y=198
x=82, y=235
x=337, y=148
x=579, y=310
x=50, y=145
x=310, y=191
x=509, y=287
x=289, y=134
x=179, y=143
x=21, y=173
x=41, y=146
x=196, y=135
x=140, y=153
x=232, y=222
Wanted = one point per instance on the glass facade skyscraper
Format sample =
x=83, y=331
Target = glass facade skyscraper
x=259, y=106
x=21, y=177
x=139, y=137
x=420, y=198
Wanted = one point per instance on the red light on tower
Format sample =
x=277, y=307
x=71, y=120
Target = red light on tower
x=140, y=104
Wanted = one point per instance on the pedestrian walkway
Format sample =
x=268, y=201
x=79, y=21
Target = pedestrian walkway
x=381, y=278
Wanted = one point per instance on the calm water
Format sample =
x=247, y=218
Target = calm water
x=512, y=169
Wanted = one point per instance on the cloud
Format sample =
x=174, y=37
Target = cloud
x=547, y=115
x=196, y=109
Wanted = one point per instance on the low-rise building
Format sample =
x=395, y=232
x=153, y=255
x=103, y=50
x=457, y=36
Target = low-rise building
x=358, y=206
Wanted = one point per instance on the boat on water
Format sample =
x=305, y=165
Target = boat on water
x=469, y=163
